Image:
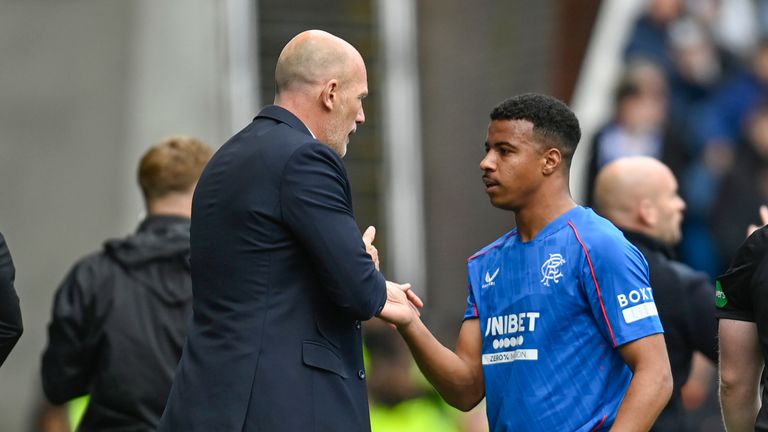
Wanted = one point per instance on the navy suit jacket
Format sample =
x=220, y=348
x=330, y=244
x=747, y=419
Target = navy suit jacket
x=10, y=313
x=281, y=280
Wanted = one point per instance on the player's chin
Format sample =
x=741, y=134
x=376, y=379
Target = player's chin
x=500, y=203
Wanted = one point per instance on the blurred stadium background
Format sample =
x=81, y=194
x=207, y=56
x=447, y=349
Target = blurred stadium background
x=87, y=85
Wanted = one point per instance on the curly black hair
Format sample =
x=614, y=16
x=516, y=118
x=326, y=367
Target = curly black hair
x=552, y=119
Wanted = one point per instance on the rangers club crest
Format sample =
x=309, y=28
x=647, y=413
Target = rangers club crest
x=550, y=270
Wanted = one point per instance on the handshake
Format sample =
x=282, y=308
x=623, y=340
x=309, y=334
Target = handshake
x=402, y=305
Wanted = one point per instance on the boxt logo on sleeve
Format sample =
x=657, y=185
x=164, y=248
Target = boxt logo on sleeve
x=637, y=304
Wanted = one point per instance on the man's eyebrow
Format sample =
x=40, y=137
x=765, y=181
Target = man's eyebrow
x=499, y=143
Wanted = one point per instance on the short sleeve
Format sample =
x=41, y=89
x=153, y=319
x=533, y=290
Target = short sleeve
x=733, y=289
x=731, y=306
x=621, y=299
x=471, y=311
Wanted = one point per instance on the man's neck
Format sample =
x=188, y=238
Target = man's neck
x=297, y=105
x=171, y=205
x=533, y=218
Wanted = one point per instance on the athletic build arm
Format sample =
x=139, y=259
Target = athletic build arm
x=457, y=376
x=740, y=367
x=651, y=386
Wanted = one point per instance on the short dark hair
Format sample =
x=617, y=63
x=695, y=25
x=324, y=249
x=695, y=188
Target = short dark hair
x=552, y=119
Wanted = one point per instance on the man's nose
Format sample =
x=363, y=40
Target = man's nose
x=360, y=119
x=487, y=164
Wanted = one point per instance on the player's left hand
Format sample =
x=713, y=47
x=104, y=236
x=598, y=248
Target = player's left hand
x=402, y=305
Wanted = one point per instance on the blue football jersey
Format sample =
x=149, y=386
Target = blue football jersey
x=553, y=312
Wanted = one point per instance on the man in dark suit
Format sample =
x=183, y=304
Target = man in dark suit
x=281, y=277
x=10, y=313
x=639, y=195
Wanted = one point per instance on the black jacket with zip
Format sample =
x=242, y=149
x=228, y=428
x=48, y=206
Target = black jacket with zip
x=119, y=322
x=685, y=300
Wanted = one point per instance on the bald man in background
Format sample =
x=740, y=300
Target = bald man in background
x=281, y=277
x=639, y=195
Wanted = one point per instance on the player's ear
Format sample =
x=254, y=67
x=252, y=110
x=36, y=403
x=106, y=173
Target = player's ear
x=330, y=94
x=648, y=213
x=552, y=159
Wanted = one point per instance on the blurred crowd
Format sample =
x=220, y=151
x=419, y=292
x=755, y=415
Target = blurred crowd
x=693, y=95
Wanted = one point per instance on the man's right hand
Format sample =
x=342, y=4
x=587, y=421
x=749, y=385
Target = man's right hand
x=402, y=305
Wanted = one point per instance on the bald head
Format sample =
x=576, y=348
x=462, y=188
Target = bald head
x=322, y=80
x=312, y=58
x=640, y=194
x=621, y=184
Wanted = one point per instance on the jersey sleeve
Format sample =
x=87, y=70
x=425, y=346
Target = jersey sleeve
x=733, y=296
x=616, y=279
x=732, y=305
x=471, y=311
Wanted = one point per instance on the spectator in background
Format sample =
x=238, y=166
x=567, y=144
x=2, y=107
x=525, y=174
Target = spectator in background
x=120, y=316
x=720, y=129
x=650, y=36
x=10, y=313
x=745, y=188
x=724, y=118
x=640, y=196
x=638, y=126
x=699, y=68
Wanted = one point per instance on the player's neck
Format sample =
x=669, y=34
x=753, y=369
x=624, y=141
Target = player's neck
x=534, y=217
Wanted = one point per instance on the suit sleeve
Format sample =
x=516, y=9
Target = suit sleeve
x=10, y=312
x=316, y=207
x=68, y=357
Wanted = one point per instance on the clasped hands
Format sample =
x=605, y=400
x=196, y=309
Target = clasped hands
x=402, y=305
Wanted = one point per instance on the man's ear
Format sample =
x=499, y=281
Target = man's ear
x=648, y=213
x=330, y=94
x=552, y=160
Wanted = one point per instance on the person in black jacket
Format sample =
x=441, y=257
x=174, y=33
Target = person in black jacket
x=742, y=311
x=121, y=315
x=10, y=313
x=639, y=195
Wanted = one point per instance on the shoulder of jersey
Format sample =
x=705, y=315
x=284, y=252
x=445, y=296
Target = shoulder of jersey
x=595, y=230
x=493, y=246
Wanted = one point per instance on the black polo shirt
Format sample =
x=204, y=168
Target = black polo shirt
x=742, y=294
